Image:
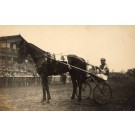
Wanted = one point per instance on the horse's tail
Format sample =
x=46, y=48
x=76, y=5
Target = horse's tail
x=84, y=74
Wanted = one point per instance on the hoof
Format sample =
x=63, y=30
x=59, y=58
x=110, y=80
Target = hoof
x=79, y=99
x=48, y=102
x=88, y=98
x=43, y=101
x=72, y=98
x=50, y=98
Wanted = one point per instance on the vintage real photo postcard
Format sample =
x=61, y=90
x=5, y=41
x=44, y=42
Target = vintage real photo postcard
x=67, y=68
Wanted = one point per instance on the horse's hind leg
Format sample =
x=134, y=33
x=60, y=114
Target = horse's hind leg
x=48, y=97
x=80, y=91
x=74, y=89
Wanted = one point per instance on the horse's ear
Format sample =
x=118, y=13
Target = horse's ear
x=62, y=58
x=22, y=40
x=20, y=36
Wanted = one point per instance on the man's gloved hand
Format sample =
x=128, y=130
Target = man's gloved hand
x=96, y=67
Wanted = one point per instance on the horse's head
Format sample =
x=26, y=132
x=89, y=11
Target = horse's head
x=20, y=42
x=22, y=51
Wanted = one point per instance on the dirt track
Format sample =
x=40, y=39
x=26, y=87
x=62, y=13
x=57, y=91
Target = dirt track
x=28, y=98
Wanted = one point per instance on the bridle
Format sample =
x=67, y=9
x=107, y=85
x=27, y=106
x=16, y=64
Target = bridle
x=43, y=57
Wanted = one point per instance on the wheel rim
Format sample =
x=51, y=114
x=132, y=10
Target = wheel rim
x=86, y=91
x=102, y=93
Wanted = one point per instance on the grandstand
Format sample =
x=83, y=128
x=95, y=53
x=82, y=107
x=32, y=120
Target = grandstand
x=8, y=62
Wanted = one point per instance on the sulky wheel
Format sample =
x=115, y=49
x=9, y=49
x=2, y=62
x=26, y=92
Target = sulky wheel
x=86, y=91
x=102, y=93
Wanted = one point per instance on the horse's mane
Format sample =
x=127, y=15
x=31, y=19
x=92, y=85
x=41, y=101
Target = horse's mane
x=44, y=52
x=36, y=48
x=32, y=45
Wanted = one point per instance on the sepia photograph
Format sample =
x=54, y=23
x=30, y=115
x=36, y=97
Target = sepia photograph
x=67, y=68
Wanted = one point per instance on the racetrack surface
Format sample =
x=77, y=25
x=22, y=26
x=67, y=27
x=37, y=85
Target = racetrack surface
x=28, y=98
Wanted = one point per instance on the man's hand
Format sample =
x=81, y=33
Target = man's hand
x=96, y=67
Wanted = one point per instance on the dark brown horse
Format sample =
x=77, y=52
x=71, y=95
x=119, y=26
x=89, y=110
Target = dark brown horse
x=47, y=66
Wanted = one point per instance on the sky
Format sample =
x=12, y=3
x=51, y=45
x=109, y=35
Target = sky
x=115, y=43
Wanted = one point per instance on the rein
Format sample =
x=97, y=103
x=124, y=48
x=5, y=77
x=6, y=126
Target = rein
x=51, y=56
x=70, y=66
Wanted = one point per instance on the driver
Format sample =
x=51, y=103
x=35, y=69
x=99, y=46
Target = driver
x=102, y=70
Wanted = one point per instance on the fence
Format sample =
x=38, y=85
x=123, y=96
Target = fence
x=29, y=81
x=19, y=81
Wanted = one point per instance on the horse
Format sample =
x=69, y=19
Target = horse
x=46, y=66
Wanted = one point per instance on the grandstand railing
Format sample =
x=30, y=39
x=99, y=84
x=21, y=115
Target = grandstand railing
x=29, y=81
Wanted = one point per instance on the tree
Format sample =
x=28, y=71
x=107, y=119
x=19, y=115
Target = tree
x=122, y=71
x=131, y=72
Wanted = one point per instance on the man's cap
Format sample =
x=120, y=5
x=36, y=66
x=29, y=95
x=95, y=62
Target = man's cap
x=103, y=59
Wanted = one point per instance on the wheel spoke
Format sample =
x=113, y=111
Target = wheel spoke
x=102, y=93
x=86, y=91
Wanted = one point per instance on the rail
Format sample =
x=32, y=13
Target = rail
x=29, y=81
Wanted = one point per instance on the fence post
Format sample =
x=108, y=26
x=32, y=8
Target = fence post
x=6, y=79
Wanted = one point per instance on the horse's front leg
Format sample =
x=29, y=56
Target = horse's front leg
x=48, y=97
x=44, y=91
